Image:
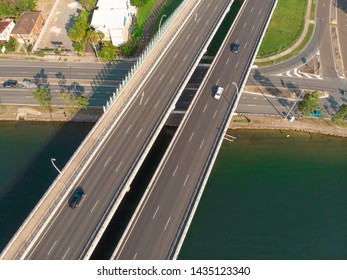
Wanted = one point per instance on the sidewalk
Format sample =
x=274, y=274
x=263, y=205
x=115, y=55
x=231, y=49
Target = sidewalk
x=301, y=39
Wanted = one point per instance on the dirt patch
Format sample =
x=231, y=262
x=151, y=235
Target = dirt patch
x=312, y=66
x=45, y=6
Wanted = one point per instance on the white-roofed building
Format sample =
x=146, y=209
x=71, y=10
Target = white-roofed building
x=114, y=19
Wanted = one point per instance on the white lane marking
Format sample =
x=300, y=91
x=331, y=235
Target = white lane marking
x=66, y=253
x=175, y=56
x=237, y=64
x=29, y=97
x=155, y=213
x=107, y=161
x=227, y=61
x=191, y=136
x=197, y=37
x=208, y=5
x=217, y=81
x=208, y=20
x=156, y=104
x=128, y=129
x=119, y=166
x=253, y=27
x=245, y=24
x=259, y=12
x=188, y=36
x=185, y=57
x=245, y=45
x=201, y=144
x=146, y=101
x=167, y=223
x=186, y=180
x=205, y=108
x=226, y=87
x=162, y=76
x=135, y=256
x=215, y=113
x=50, y=250
x=198, y=20
x=175, y=171
x=172, y=79
x=252, y=9
x=137, y=136
x=23, y=72
x=91, y=211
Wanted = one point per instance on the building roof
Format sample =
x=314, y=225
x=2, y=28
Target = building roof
x=26, y=22
x=4, y=23
x=111, y=4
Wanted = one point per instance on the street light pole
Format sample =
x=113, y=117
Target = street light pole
x=161, y=20
x=52, y=161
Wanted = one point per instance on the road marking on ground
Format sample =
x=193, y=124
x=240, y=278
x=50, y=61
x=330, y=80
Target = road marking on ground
x=259, y=12
x=119, y=166
x=135, y=256
x=175, y=171
x=107, y=161
x=50, y=250
x=245, y=24
x=237, y=64
x=128, y=129
x=188, y=36
x=197, y=37
x=66, y=253
x=217, y=81
x=205, y=108
x=253, y=27
x=215, y=113
x=167, y=223
x=208, y=20
x=175, y=56
x=186, y=180
x=172, y=79
x=162, y=76
x=191, y=136
x=201, y=144
x=91, y=211
x=156, y=104
x=252, y=9
x=146, y=101
x=245, y=45
x=227, y=60
x=137, y=136
x=185, y=57
x=155, y=213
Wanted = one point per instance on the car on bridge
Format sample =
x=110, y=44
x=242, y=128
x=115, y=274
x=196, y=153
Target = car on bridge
x=234, y=47
x=219, y=92
x=10, y=84
x=76, y=197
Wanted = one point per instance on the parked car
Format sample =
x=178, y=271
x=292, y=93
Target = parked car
x=76, y=197
x=10, y=84
x=29, y=84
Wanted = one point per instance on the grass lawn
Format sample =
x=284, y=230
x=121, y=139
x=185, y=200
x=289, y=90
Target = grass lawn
x=285, y=27
x=143, y=13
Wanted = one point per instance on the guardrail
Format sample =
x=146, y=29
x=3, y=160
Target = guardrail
x=61, y=194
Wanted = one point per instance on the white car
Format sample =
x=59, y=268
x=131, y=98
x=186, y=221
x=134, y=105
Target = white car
x=219, y=92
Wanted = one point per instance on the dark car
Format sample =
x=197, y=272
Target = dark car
x=10, y=83
x=234, y=47
x=76, y=197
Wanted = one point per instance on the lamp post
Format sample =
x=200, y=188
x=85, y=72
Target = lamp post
x=237, y=88
x=161, y=20
x=52, y=161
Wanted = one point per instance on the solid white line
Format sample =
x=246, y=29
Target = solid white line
x=205, y=108
x=186, y=180
x=167, y=223
x=201, y=144
x=137, y=136
x=175, y=171
x=128, y=129
x=155, y=213
x=51, y=248
x=66, y=253
x=91, y=211
x=119, y=166
x=191, y=136
x=107, y=161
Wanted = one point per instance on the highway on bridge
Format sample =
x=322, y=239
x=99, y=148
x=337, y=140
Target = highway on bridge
x=110, y=169
x=156, y=226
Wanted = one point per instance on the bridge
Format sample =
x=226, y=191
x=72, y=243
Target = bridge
x=108, y=159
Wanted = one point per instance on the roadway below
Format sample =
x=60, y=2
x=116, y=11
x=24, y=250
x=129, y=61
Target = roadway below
x=156, y=227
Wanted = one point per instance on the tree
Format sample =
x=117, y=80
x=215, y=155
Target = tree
x=94, y=37
x=309, y=103
x=88, y=4
x=338, y=118
x=107, y=52
x=43, y=97
x=82, y=102
x=74, y=103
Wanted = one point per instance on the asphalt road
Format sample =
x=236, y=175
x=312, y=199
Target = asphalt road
x=110, y=169
x=157, y=221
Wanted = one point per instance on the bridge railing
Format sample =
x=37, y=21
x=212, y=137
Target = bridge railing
x=61, y=193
